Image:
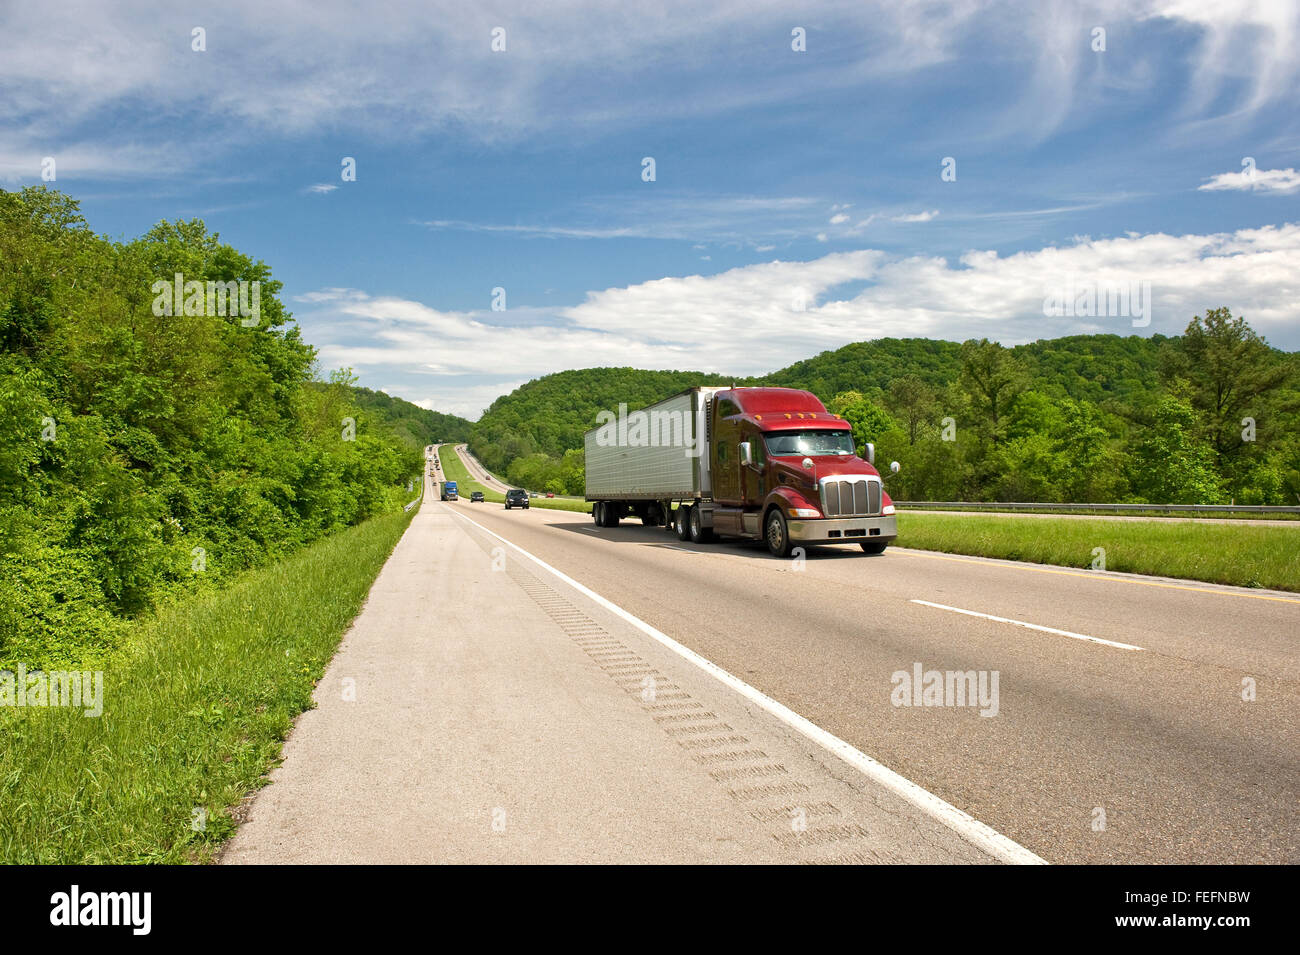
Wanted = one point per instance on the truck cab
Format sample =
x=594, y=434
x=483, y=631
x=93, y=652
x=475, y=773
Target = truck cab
x=449, y=491
x=786, y=471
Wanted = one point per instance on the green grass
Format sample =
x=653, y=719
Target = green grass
x=196, y=706
x=1196, y=515
x=1218, y=553
x=454, y=470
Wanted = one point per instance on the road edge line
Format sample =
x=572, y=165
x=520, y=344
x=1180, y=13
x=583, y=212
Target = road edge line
x=969, y=828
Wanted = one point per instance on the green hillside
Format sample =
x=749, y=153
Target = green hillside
x=524, y=435
x=1087, y=418
x=416, y=426
x=149, y=452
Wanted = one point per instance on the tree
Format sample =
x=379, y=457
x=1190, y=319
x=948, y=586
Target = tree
x=1232, y=373
x=914, y=401
x=1171, y=464
x=868, y=420
x=992, y=378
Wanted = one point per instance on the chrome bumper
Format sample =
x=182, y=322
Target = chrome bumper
x=851, y=530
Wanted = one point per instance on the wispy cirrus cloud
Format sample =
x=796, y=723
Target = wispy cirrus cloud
x=408, y=70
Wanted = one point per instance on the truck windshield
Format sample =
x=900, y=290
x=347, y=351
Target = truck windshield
x=809, y=442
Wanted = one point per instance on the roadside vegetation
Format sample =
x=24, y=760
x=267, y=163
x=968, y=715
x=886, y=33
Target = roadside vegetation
x=1103, y=512
x=148, y=457
x=196, y=703
x=1243, y=556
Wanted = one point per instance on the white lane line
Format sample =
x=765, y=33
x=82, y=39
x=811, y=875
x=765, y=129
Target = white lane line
x=968, y=827
x=1031, y=626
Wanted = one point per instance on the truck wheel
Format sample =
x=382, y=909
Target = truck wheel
x=777, y=534
x=598, y=513
x=875, y=547
x=682, y=523
x=611, y=514
x=699, y=535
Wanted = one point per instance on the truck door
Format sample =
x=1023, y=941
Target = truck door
x=726, y=464
x=753, y=479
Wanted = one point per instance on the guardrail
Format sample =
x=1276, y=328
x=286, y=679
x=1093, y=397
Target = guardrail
x=1116, y=508
x=419, y=497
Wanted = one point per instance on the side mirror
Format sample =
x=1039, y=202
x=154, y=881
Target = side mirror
x=871, y=453
x=894, y=467
x=746, y=454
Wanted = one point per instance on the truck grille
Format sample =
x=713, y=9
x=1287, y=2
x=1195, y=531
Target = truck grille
x=853, y=496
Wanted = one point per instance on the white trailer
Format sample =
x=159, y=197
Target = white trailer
x=657, y=453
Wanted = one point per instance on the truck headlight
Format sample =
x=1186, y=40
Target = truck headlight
x=805, y=512
x=889, y=509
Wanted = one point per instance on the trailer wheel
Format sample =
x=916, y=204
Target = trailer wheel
x=699, y=534
x=777, y=534
x=611, y=514
x=682, y=524
x=874, y=547
x=598, y=513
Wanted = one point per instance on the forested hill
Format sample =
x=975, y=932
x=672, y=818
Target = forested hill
x=1096, y=368
x=151, y=446
x=548, y=416
x=415, y=425
x=1203, y=417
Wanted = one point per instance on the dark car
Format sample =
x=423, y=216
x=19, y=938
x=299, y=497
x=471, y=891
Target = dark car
x=516, y=498
x=476, y=496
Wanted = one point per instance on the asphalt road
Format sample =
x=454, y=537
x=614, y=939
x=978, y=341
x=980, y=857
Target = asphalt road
x=478, y=472
x=480, y=710
x=1097, y=753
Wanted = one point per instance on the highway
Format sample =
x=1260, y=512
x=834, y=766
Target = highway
x=620, y=696
x=478, y=472
x=1158, y=739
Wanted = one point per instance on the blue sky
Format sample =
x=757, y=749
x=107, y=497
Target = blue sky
x=797, y=205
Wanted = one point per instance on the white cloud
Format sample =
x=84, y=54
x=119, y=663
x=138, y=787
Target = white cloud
x=321, y=188
x=1254, y=180
x=695, y=322
x=917, y=216
x=838, y=218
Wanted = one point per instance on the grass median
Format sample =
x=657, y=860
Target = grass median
x=1218, y=553
x=195, y=709
x=454, y=469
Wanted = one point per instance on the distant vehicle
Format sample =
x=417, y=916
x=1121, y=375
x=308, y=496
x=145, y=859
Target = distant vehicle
x=771, y=464
x=449, y=491
x=550, y=494
x=476, y=497
x=532, y=493
x=516, y=498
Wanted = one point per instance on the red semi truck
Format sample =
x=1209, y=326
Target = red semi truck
x=766, y=464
